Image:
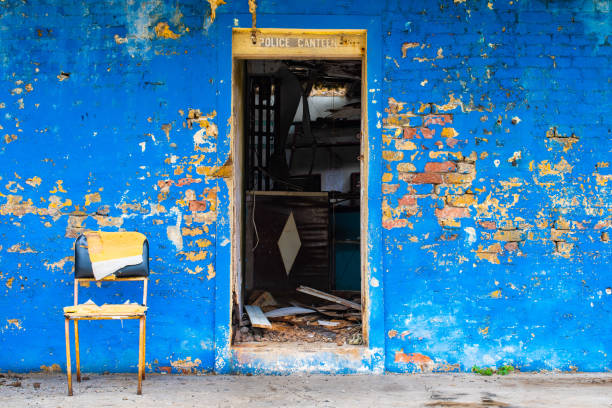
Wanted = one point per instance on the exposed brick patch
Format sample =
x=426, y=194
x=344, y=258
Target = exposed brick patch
x=490, y=253
x=433, y=119
x=427, y=133
x=390, y=155
x=463, y=200
x=440, y=167
x=186, y=181
x=418, y=132
x=389, y=224
x=164, y=185
x=509, y=235
x=423, y=178
x=197, y=205
x=458, y=178
x=407, y=200
x=490, y=225
x=452, y=212
x=466, y=168
x=511, y=246
x=452, y=142
x=389, y=188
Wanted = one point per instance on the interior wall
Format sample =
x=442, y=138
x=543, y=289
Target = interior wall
x=495, y=204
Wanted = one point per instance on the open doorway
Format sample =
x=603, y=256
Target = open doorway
x=300, y=276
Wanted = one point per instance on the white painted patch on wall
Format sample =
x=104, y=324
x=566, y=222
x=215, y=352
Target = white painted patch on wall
x=174, y=231
x=471, y=235
x=374, y=282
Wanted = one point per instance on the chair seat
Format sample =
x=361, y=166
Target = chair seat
x=106, y=311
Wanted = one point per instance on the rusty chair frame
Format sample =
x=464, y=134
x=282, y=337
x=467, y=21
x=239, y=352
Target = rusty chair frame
x=112, y=312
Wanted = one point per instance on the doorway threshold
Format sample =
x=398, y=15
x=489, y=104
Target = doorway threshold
x=273, y=358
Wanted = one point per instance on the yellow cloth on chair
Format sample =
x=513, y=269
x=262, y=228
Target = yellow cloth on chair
x=111, y=251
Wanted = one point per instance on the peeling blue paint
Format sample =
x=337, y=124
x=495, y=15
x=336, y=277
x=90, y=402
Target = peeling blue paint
x=501, y=257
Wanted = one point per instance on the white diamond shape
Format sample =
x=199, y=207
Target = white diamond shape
x=289, y=243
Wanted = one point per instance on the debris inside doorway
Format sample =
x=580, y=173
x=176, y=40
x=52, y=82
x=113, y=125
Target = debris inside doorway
x=302, y=318
x=300, y=277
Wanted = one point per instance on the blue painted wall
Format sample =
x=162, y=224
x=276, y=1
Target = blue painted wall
x=493, y=150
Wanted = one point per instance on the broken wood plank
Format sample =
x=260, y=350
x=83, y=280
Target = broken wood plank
x=327, y=323
x=333, y=307
x=265, y=299
x=328, y=297
x=257, y=318
x=288, y=311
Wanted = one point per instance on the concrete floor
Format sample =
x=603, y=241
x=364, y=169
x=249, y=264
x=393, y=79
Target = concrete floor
x=390, y=390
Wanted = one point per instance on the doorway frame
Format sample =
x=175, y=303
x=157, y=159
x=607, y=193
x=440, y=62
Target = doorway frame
x=229, y=234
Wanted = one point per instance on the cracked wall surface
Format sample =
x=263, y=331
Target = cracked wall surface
x=495, y=181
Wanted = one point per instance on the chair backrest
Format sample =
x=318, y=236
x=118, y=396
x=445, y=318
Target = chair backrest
x=82, y=262
x=83, y=271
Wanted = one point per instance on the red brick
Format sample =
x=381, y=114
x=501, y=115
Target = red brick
x=452, y=212
x=427, y=133
x=511, y=246
x=187, y=180
x=388, y=224
x=440, y=167
x=452, y=142
x=389, y=188
x=164, y=184
x=437, y=119
x=196, y=205
x=407, y=200
x=490, y=225
x=427, y=178
x=409, y=132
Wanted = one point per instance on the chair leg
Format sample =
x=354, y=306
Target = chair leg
x=144, y=347
x=68, y=363
x=140, y=356
x=76, y=350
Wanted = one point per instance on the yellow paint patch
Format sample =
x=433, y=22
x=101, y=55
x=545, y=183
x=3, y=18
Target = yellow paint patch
x=211, y=272
x=186, y=365
x=34, y=181
x=14, y=322
x=559, y=169
x=449, y=132
x=162, y=30
x=602, y=179
x=194, y=256
x=490, y=253
x=387, y=177
x=191, y=231
x=58, y=187
x=405, y=145
x=53, y=368
x=392, y=156
x=9, y=283
x=406, y=167
x=203, y=243
x=198, y=269
x=92, y=198
x=213, y=8
x=496, y=294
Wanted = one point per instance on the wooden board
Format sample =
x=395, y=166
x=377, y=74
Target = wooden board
x=258, y=319
x=288, y=311
x=298, y=44
x=327, y=296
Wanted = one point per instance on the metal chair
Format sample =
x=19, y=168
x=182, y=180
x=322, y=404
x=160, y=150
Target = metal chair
x=83, y=273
